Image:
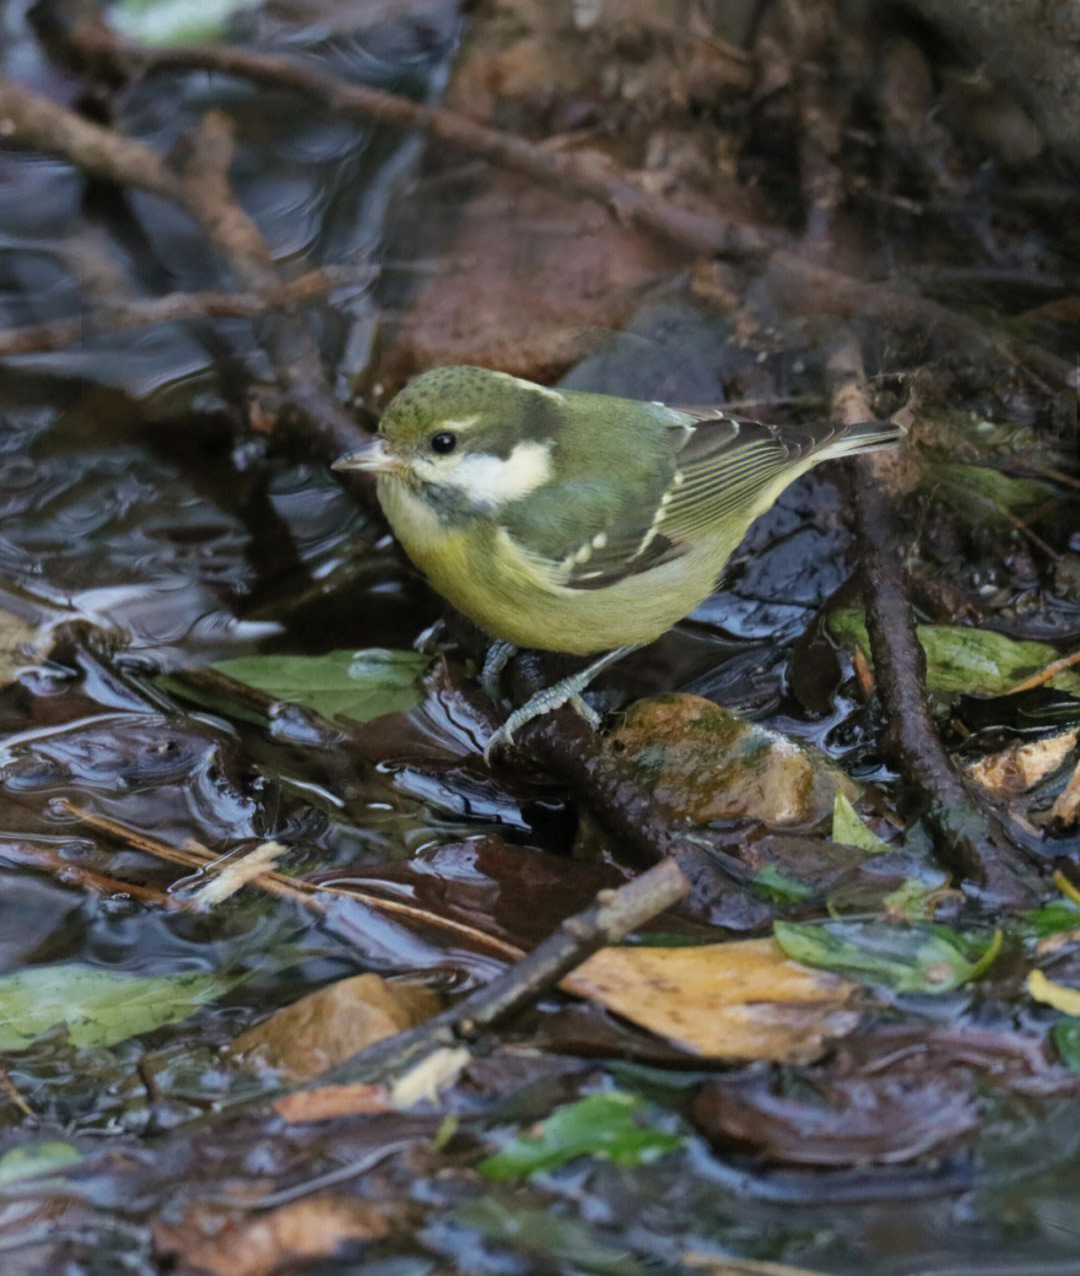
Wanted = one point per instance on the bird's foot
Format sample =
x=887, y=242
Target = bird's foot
x=566, y=691
x=496, y=660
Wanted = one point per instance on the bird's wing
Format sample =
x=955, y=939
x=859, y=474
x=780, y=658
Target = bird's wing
x=585, y=535
x=707, y=481
x=731, y=470
x=716, y=467
x=724, y=465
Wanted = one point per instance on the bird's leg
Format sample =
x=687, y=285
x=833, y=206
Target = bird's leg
x=496, y=660
x=566, y=691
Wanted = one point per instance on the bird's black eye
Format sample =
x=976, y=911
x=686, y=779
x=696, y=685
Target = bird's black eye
x=443, y=443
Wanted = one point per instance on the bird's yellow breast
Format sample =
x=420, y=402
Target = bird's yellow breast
x=482, y=573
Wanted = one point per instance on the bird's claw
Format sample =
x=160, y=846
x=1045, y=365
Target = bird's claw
x=537, y=706
x=500, y=739
x=568, y=691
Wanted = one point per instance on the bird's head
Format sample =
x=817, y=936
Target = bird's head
x=466, y=438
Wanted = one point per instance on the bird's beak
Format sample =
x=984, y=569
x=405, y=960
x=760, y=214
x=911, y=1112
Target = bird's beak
x=374, y=457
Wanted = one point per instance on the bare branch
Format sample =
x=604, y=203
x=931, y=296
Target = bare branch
x=201, y=188
x=175, y=307
x=973, y=840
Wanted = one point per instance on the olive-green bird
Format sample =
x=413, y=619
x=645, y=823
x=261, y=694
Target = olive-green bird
x=577, y=522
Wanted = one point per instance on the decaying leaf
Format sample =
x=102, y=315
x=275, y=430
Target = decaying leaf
x=740, y=1000
x=702, y=763
x=329, y=1026
x=1022, y=765
x=17, y=640
x=851, y=1120
x=331, y=1101
x=425, y=1079
x=1066, y=808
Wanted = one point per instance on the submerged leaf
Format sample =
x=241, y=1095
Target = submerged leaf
x=329, y=1026
x=561, y=1243
x=983, y=492
x=603, y=1125
x=914, y=900
x=916, y=958
x=1066, y=1035
x=355, y=684
x=175, y=21
x=1053, y=918
x=100, y=1007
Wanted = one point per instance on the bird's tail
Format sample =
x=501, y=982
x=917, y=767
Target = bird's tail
x=847, y=440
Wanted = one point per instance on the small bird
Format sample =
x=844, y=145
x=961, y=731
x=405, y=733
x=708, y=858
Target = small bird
x=577, y=522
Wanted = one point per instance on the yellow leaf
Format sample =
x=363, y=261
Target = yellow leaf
x=741, y=1000
x=1067, y=1000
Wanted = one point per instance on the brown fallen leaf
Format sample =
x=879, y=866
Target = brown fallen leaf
x=741, y=1000
x=305, y=1229
x=329, y=1026
x=331, y=1101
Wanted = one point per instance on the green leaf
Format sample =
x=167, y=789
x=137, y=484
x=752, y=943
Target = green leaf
x=781, y=888
x=100, y=1007
x=354, y=684
x=848, y=828
x=602, y=1125
x=959, y=659
x=985, y=492
x=36, y=1158
x=1066, y=1035
x=1052, y=918
x=916, y=958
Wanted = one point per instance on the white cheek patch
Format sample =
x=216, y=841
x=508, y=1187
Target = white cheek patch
x=493, y=480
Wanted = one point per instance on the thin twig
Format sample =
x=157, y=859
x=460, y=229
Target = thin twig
x=1051, y=671
x=195, y=856
x=70, y=874
x=700, y=230
x=12, y=1091
x=174, y=307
